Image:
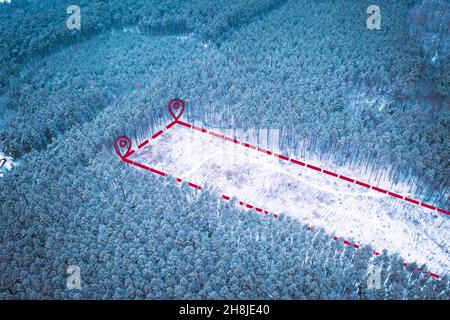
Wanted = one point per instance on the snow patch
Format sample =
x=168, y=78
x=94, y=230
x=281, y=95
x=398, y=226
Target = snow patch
x=343, y=209
x=362, y=101
x=185, y=37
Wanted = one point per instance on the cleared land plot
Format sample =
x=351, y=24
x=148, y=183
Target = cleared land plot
x=343, y=209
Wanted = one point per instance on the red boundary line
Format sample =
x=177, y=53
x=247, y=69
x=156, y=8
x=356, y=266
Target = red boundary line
x=284, y=158
x=313, y=167
x=340, y=176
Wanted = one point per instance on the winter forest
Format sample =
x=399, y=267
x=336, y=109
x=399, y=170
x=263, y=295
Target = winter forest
x=372, y=101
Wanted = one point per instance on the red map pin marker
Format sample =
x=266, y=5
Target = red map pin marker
x=122, y=145
x=176, y=108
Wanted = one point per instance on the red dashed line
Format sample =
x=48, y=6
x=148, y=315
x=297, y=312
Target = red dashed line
x=156, y=135
x=229, y=139
x=249, y=206
x=143, y=144
x=376, y=253
x=329, y=173
x=163, y=174
x=346, y=178
x=435, y=275
x=184, y=124
x=142, y=166
x=362, y=184
x=426, y=205
x=216, y=135
x=170, y=125
x=265, y=151
x=193, y=185
x=130, y=153
x=281, y=156
x=298, y=162
x=249, y=146
x=199, y=129
x=412, y=200
x=137, y=164
x=395, y=195
x=310, y=166
x=379, y=189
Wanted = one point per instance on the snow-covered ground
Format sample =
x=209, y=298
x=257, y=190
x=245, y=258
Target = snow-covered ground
x=342, y=209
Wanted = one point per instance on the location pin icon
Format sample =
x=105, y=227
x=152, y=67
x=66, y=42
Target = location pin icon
x=176, y=108
x=122, y=145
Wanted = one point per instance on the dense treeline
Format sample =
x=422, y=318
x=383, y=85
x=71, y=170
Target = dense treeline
x=307, y=68
x=55, y=93
x=29, y=28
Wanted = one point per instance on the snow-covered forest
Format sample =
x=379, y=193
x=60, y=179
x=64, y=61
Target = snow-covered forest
x=377, y=99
